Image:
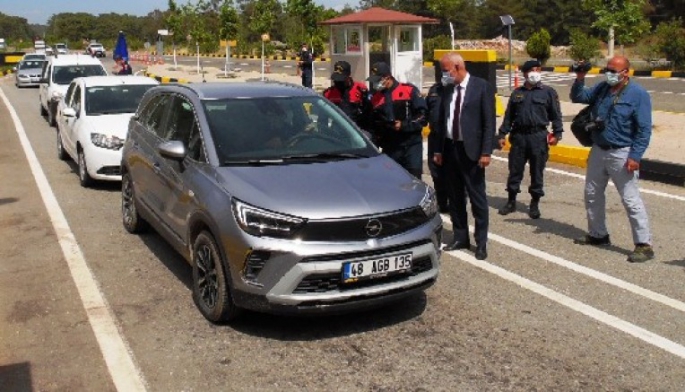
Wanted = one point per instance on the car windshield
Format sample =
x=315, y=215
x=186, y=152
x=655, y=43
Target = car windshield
x=114, y=99
x=283, y=129
x=65, y=74
x=60, y=46
x=31, y=64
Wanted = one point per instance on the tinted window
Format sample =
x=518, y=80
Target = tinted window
x=31, y=64
x=182, y=125
x=114, y=99
x=272, y=128
x=76, y=101
x=69, y=95
x=153, y=114
x=66, y=73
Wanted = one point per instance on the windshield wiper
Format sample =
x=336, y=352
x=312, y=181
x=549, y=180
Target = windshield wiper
x=325, y=156
x=253, y=162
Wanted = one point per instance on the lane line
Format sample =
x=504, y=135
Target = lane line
x=582, y=177
x=589, y=272
x=587, y=310
x=118, y=357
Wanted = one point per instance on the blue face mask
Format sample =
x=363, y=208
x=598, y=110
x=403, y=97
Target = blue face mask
x=613, y=78
x=446, y=79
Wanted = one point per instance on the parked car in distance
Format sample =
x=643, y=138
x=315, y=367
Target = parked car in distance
x=28, y=73
x=61, y=48
x=49, y=51
x=277, y=200
x=57, y=73
x=39, y=45
x=34, y=56
x=96, y=50
x=92, y=122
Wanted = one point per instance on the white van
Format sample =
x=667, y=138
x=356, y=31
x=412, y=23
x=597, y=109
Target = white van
x=58, y=72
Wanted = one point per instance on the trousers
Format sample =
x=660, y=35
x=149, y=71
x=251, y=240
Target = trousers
x=610, y=164
x=531, y=148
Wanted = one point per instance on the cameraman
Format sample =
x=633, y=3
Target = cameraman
x=623, y=126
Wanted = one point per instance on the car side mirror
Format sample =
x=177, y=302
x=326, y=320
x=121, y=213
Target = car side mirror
x=69, y=112
x=173, y=149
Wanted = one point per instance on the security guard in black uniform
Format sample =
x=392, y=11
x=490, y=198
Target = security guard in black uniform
x=530, y=109
x=305, y=65
x=433, y=100
x=398, y=115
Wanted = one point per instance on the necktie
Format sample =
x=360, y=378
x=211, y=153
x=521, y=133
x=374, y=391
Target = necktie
x=455, y=117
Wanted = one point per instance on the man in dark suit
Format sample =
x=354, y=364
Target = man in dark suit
x=462, y=144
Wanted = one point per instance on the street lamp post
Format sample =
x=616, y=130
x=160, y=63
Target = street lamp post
x=508, y=21
x=265, y=38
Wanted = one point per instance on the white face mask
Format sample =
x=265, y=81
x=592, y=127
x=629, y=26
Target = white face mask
x=612, y=78
x=447, y=79
x=534, y=77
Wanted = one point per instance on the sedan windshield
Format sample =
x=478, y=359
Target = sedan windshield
x=276, y=130
x=31, y=64
x=114, y=99
x=65, y=74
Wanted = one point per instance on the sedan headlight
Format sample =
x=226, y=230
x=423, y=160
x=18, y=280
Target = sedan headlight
x=263, y=223
x=22, y=76
x=429, y=204
x=104, y=141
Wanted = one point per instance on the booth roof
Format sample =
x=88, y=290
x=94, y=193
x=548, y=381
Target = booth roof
x=379, y=15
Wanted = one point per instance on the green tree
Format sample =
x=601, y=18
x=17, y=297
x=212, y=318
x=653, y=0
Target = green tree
x=626, y=18
x=228, y=16
x=538, y=46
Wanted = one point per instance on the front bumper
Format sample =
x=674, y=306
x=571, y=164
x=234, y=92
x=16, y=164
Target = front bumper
x=27, y=82
x=103, y=164
x=307, y=277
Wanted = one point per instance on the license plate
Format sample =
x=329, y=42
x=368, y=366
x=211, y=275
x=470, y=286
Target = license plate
x=376, y=268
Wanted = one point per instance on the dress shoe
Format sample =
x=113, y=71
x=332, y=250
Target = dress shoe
x=534, y=209
x=508, y=208
x=456, y=245
x=481, y=253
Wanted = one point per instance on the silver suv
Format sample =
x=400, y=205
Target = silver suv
x=276, y=199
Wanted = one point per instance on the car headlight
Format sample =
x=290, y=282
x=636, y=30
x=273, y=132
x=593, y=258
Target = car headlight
x=429, y=204
x=23, y=76
x=104, y=141
x=263, y=223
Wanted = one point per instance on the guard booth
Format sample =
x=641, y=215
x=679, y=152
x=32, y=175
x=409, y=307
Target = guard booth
x=377, y=34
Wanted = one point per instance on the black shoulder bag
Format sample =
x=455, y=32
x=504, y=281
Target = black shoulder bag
x=583, y=122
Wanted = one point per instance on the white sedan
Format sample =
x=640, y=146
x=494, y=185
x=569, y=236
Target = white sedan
x=92, y=123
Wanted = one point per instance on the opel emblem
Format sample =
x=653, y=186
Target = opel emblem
x=373, y=228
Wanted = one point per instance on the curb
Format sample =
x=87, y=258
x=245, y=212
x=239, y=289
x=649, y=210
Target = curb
x=596, y=70
x=569, y=155
x=251, y=57
x=165, y=79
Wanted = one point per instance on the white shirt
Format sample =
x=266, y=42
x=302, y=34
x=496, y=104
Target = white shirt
x=450, y=118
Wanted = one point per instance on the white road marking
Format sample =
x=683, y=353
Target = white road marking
x=594, y=313
x=582, y=177
x=118, y=358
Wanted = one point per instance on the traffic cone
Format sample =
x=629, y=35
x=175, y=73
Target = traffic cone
x=516, y=76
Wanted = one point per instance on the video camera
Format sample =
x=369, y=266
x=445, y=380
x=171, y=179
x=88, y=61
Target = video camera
x=581, y=66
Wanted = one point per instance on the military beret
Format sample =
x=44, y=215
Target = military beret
x=530, y=64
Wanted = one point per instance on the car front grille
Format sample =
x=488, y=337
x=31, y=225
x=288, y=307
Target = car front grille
x=110, y=170
x=360, y=228
x=322, y=283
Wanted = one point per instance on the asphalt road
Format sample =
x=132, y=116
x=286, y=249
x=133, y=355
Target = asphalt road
x=667, y=94
x=541, y=314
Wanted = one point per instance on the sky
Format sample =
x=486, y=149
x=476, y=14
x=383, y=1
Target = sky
x=39, y=11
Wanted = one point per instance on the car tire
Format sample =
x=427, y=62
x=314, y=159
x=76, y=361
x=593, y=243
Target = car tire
x=43, y=112
x=133, y=222
x=51, y=117
x=84, y=178
x=211, y=291
x=61, y=153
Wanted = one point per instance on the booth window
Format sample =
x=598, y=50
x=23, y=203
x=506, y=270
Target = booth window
x=409, y=39
x=347, y=40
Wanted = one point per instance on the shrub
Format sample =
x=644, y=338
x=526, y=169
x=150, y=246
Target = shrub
x=538, y=46
x=437, y=42
x=583, y=47
x=671, y=38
